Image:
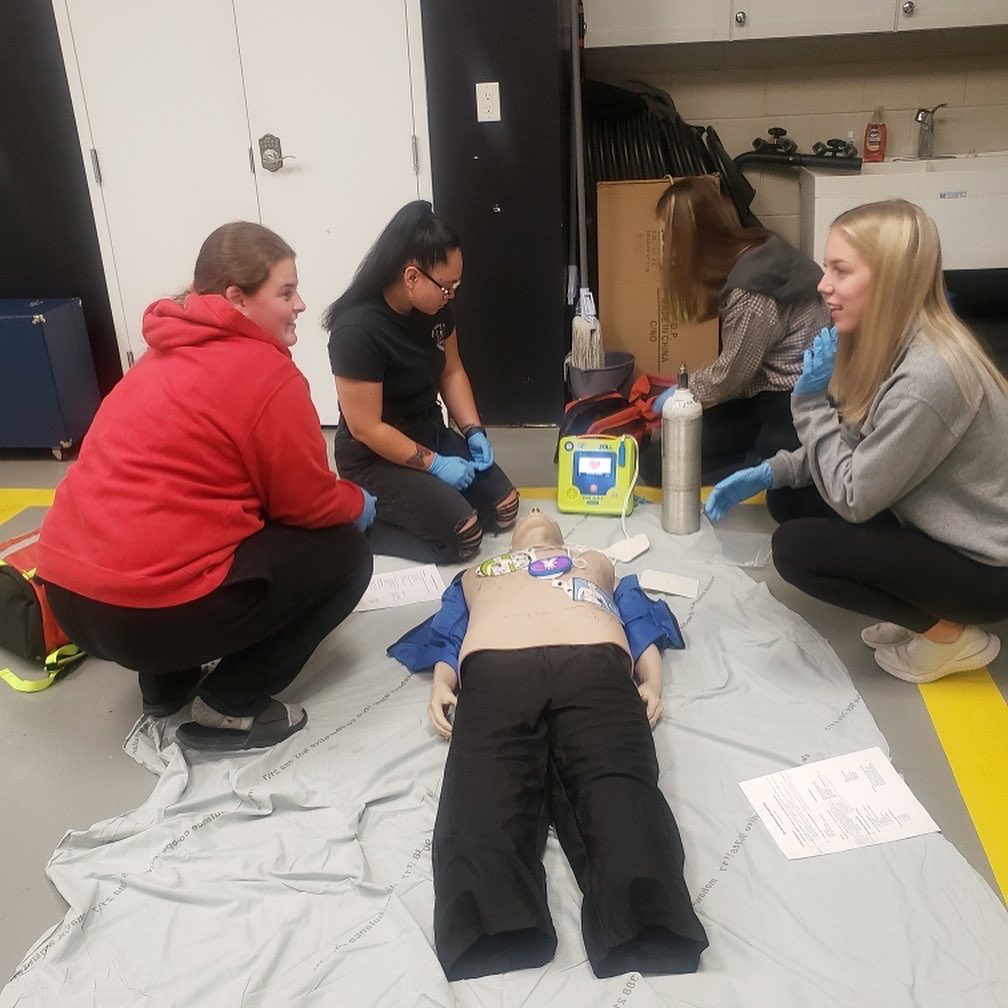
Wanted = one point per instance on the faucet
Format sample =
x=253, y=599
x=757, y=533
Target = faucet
x=925, y=142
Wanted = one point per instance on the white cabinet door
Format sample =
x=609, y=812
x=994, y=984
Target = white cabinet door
x=914, y=15
x=785, y=18
x=652, y=22
x=158, y=97
x=333, y=82
x=173, y=98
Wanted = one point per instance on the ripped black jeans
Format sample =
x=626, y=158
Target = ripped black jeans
x=418, y=516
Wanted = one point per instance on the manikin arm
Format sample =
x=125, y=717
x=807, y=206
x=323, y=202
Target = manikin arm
x=441, y=707
x=648, y=671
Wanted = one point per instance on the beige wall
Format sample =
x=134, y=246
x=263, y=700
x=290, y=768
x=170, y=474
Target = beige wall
x=821, y=88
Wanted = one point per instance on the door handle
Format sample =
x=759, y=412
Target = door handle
x=271, y=155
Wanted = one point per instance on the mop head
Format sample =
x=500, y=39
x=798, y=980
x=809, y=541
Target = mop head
x=586, y=344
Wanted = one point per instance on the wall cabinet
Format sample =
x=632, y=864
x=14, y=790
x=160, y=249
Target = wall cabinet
x=915, y=15
x=175, y=104
x=753, y=19
x=654, y=22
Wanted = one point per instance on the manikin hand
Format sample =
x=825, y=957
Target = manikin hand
x=648, y=669
x=818, y=363
x=441, y=707
x=650, y=693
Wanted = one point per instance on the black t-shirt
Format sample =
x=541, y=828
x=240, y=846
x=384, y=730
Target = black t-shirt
x=371, y=342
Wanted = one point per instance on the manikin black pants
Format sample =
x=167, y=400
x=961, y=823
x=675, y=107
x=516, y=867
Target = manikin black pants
x=287, y=588
x=566, y=720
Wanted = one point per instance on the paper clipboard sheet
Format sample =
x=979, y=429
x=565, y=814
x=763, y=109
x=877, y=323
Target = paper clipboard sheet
x=837, y=804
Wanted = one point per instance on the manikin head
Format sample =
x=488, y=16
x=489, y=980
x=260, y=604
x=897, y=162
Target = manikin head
x=536, y=529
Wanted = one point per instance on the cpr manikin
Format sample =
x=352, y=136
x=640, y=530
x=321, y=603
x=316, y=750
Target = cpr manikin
x=549, y=725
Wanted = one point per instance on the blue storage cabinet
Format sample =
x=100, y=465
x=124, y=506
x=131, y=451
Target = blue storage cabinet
x=48, y=390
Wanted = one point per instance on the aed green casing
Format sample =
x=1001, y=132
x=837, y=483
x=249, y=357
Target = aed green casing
x=595, y=475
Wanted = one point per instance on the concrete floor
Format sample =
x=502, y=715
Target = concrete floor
x=64, y=769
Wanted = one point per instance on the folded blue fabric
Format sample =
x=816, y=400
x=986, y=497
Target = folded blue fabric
x=646, y=620
x=439, y=637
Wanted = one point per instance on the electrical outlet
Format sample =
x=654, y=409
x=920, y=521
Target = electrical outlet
x=488, y=102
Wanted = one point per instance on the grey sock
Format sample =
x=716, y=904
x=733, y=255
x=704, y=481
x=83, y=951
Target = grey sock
x=204, y=714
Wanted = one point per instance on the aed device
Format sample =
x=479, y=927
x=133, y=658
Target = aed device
x=596, y=475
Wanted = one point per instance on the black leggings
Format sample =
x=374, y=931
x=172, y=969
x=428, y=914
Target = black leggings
x=880, y=568
x=287, y=588
x=565, y=719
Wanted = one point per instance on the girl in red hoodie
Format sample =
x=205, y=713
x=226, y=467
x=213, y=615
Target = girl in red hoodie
x=201, y=520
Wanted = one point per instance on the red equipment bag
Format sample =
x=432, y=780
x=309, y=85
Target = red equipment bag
x=604, y=413
x=645, y=389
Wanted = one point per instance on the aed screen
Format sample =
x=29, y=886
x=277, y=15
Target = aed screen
x=594, y=465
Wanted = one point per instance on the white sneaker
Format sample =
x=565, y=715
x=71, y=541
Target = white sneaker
x=885, y=635
x=921, y=660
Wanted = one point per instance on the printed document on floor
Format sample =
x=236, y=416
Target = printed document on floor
x=402, y=587
x=837, y=804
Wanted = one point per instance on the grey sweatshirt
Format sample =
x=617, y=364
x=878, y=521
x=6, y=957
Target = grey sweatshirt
x=939, y=462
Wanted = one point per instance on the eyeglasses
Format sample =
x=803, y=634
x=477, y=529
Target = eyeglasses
x=449, y=292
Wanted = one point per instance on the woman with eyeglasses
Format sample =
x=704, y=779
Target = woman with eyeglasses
x=393, y=350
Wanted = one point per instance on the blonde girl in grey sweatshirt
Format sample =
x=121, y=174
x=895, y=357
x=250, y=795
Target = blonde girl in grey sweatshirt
x=896, y=503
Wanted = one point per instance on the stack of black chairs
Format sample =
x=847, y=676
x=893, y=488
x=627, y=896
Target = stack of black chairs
x=635, y=132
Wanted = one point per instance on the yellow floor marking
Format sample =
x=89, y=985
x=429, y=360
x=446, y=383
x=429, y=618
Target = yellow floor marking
x=15, y=501
x=970, y=717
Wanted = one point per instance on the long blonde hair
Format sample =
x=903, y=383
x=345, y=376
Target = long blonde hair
x=701, y=240
x=899, y=243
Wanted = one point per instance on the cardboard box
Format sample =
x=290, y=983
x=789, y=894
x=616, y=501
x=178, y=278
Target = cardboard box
x=629, y=300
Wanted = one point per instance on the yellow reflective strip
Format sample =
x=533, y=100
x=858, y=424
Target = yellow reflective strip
x=970, y=717
x=64, y=655
x=27, y=685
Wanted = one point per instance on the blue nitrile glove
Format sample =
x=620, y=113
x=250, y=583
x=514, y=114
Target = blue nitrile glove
x=480, y=449
x=364, y=519
x=660, y=399
x=736, y=488
x=456, y=472
x=818, y=363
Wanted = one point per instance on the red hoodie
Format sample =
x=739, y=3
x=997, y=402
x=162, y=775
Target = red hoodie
x=210, y=435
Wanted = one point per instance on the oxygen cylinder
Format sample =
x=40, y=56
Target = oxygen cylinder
x=680, y=449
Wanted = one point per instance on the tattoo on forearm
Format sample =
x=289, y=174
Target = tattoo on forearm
x=418, y=460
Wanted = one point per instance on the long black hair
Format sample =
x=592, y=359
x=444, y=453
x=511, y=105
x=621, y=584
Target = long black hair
x=414, y=235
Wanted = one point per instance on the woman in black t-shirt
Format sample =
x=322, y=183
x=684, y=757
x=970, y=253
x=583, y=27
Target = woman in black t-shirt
x=393, y=349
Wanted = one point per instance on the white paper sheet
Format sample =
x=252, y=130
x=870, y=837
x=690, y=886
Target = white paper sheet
x=837, y=804
x=402, y=587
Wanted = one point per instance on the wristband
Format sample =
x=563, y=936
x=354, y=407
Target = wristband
x=473, y=428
